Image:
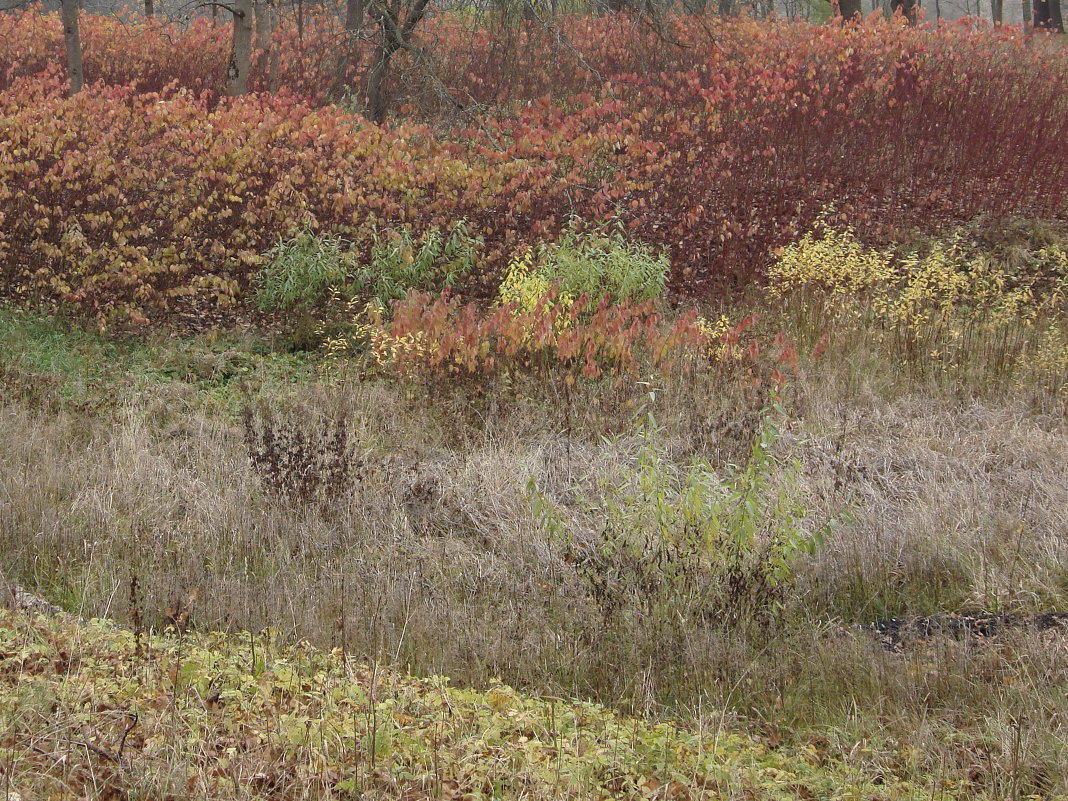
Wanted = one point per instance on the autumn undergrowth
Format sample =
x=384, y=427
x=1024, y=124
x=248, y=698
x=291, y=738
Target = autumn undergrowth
x=93, y=711
x=617, y=378
x=149, y=197
x=684, y=540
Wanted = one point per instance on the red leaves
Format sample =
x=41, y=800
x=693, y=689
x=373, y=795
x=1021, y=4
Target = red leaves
x=441, y=336
x=719, y=154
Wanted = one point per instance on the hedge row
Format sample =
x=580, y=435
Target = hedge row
x=124, y=199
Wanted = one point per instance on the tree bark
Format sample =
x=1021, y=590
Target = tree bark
x=395, y=35
x=377, y=100
x=72, y=40
x=850, y=9
x=150, y=8
x=355, y=10
x=1047, y=16
x=997, y=12
x=265, y=25
x=355, y=18
x=240, y=49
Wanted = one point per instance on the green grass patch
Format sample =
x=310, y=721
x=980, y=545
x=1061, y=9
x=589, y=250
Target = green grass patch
x=61, y=362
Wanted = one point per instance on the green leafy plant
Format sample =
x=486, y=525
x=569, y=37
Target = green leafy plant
x=401, y=262
x=302, y=270
x=677, y=546
x=601, y=262
x=595, y=263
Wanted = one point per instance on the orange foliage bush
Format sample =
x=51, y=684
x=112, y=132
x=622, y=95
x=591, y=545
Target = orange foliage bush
x=717, y=141
x=115, y=199
x=439, y=334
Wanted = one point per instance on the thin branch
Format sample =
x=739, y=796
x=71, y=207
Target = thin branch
x=134, y=718
x=223, y=6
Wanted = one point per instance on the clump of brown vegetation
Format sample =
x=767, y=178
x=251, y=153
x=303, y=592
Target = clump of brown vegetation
x=696, y=537
x=416, y=531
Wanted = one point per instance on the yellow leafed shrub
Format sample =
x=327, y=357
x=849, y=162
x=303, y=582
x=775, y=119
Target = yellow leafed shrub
x=952, y=305
x=944, y=284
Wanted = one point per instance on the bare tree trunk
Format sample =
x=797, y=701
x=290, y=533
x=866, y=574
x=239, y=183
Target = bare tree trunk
x=240, y=50
x=1047, y=16
x=997, y=12
x=72, y=40
x=395, y=35
x=377, y=100
x=1040, y=14
x=265, y=25
x=850, y=9
x=354, y=15
x=150, y=8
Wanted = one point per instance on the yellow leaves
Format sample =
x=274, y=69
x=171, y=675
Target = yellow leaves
x=385, y=348
x=499, y=698
x=941, y=286
x=528, y=289
x=716, y=349
x=834, y=261
x=249, y=258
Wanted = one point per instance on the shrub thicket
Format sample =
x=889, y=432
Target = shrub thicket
x=118, y=200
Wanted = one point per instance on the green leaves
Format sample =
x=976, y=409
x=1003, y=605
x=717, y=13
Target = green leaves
x=85, y=714
x=300, y=271
x=692, y=542
x=401, y=261
x=600, y=262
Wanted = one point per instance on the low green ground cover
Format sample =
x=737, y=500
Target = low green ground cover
x=88, y=710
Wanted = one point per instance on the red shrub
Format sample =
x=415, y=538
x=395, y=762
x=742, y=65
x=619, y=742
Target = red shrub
x=428, y=334
x=719, y=149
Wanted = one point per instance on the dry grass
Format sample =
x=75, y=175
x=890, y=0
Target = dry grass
x=411, y=541
x=955, y=507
